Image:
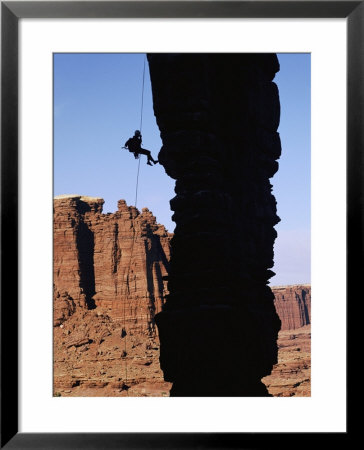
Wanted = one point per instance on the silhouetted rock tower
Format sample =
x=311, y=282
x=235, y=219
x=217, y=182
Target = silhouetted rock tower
x=218, y=116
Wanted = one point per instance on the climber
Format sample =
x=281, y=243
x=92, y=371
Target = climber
x=133, y=144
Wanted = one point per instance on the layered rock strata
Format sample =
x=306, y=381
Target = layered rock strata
x=293, y=305
x=291, y=376
x=115, y=261
x=218, y=116
x=93, y=358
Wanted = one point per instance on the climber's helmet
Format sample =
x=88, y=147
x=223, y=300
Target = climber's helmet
x=137, y=133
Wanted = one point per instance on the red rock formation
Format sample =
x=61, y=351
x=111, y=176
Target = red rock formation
x=66, y=263
x=115, y=261
x=63, y=308
x=92, y=358
x=293, y=305
x=92, y=254
x=291, y=376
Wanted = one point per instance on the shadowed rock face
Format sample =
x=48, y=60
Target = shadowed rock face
x=218, y=116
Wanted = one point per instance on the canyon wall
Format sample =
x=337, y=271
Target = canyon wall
x=218, y=116
x=92, y=255
x=92, y=354
x=291, y=376
x=293, y=305
x=116, y=261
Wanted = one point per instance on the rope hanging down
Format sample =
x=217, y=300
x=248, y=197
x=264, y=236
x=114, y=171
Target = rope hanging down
x=140, y=128
x=127, y=287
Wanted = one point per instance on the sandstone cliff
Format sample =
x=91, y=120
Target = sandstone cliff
x=291, y=376
x=93, y=295
x=293, y=305
x=114, y=261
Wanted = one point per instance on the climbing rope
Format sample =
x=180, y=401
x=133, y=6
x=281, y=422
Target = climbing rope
x=127, y=287
x=140, y=128
x=142, y=105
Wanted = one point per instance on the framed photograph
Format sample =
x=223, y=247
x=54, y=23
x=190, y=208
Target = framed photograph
x=47, y=47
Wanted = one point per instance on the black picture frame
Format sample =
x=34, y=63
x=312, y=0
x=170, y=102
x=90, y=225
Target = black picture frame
x=11, y=12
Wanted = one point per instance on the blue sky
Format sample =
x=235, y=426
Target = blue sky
x=97, y=106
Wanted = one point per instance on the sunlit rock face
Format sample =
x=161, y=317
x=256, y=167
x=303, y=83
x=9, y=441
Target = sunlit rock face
x=114, y=261
x=293, y=305
x=218, y=116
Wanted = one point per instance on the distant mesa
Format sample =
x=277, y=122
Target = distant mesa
x=118, y=265
x=92, y=253
x=293, y=305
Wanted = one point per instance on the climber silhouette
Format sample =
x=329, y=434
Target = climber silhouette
x=133, y=144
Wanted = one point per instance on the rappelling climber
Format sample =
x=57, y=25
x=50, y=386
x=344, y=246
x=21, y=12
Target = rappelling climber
x=133, y=144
